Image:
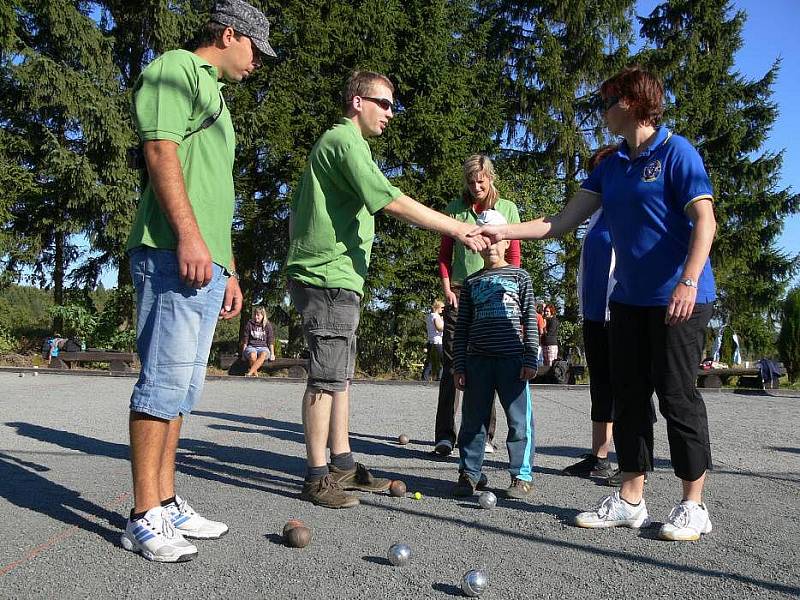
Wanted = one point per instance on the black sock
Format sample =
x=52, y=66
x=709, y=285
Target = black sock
x=316, y=473
x=343, y=461
x=169, y=501
x=135, y=516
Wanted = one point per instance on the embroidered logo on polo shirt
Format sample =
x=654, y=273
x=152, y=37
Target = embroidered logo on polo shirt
x=651, y=171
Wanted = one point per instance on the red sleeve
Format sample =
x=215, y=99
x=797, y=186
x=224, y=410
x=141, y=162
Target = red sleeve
x=514, y=253
x=445, y=257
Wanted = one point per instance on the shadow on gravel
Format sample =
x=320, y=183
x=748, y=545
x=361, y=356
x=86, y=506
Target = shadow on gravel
x=275, y=538
x=448, y=588
x=628, y=557
x=377, y=560
x=784, y=449
x=30, y=490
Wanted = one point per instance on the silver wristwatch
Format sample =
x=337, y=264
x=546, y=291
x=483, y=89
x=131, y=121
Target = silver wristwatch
x=689, y=282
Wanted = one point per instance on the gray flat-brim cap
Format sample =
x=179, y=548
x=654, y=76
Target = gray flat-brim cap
x=244, y=19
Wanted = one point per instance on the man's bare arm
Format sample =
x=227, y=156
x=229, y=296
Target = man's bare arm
x=166, y=177
x=409, y=210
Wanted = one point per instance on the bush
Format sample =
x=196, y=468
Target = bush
x=789, y=337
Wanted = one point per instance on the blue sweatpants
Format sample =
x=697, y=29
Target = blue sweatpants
x=486, y=375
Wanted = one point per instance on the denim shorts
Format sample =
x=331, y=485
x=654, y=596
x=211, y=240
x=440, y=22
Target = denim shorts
x=330, y=319
x=255, y=350
x=174, y=329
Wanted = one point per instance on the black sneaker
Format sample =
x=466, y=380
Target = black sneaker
x=519, y=489
x=326, y=493
x=615, y=479
x=467, y=487
x=590, y=466
x=443, y=447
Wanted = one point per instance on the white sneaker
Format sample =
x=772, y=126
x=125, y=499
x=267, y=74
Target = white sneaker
x=154, y=537
x=192, y=525
x=686, y=522
x=488, y=448
x=613, y=511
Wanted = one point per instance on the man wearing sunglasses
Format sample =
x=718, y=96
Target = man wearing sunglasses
x=332, y=231
x=181, y=261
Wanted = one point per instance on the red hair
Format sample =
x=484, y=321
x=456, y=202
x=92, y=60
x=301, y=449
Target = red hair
x=642, y=90
x=599, y=155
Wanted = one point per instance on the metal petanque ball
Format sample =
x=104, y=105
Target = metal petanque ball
x=402, y=439
x=487, y=500
x=474, y=583
x=399, y=554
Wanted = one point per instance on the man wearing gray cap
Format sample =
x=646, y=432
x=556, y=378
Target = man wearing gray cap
x=181, y=261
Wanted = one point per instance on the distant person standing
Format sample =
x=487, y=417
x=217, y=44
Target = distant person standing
x=181, y=261
x=550, y=336
x=434, y=325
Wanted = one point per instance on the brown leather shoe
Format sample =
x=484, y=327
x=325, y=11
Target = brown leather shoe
x=519, y=489
x=327, y=493
x=359, y=478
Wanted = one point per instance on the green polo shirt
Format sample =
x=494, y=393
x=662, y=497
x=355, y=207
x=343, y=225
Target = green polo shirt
x=172, y=98
x=332, y=211
x=465, y=263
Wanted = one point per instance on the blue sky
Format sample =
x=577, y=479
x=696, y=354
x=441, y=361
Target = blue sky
x=770, y=32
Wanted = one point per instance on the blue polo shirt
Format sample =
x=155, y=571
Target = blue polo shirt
x=645, y=202
x=595, y=269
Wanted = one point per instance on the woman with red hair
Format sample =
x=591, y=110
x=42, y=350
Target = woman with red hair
x=657, y=199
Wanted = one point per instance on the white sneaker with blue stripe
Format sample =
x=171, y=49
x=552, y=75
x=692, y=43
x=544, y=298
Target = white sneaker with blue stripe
x=192, y=525
x=154, y=537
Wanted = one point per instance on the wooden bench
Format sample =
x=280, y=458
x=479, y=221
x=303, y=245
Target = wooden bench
x=236, y=365
x=120, y=362
x=715, y=378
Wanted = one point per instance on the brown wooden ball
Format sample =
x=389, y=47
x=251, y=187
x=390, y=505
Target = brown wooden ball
x=397, y=488
x=298, y=537
x=291, y=524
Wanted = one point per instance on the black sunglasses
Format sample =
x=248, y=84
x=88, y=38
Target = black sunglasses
x=609, y=102
x=384, y=103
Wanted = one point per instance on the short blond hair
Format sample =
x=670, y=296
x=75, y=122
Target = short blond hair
x=437, y=304
x=479, y=164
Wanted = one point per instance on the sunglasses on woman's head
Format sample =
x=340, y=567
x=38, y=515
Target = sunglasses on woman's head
x=384, y=103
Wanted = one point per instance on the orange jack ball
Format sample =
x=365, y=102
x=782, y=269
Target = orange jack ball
x=291, y=524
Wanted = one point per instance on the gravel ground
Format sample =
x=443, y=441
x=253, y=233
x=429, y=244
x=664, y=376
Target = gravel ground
x=65, y=485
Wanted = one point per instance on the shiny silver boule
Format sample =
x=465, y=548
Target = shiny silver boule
x=474, y=583
x=487, y=500
x=399, y=554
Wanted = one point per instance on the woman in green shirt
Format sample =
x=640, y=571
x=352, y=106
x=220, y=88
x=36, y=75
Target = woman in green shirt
x=456, y=263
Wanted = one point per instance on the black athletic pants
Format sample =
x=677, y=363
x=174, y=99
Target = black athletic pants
x=648, y=355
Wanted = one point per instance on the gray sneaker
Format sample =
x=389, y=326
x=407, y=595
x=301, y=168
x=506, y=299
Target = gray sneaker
x=327, y=493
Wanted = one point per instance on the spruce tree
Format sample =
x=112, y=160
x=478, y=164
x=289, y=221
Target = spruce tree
x=692, y=44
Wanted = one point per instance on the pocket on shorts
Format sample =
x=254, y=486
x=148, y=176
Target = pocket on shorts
x=345, y=309
x=329, y=358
